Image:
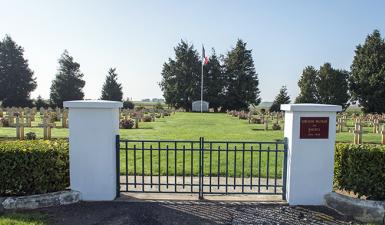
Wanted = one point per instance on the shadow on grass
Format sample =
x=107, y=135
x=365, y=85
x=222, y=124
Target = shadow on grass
x=258, y=129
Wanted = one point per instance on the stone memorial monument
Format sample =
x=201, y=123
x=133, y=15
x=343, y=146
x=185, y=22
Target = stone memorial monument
x=196, y=106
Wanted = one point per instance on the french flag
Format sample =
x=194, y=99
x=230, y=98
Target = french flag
x=205, y=59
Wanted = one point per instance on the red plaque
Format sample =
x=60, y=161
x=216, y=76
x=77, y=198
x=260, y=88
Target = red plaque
x=314, y=128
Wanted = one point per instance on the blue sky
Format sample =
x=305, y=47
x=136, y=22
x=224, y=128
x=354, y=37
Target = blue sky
x=137, y=37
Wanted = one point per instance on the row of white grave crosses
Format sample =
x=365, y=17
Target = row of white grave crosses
x=376, y=126
x=46, y=124
x=383, y=135
x=20, y=127
x=358, y=132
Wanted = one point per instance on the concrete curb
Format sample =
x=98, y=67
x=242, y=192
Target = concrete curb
x=40, y=201
x=367, y=211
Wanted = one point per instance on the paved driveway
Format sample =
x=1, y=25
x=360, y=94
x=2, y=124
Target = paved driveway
x=189, y=212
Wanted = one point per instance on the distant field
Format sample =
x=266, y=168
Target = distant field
x=148, y=104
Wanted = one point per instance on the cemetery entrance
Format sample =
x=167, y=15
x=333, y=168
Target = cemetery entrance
x=202, y=167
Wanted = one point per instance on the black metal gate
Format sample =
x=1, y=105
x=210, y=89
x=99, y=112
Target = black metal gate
x=202, y=167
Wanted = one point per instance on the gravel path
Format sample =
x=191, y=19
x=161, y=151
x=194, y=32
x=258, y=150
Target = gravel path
x=189, y=212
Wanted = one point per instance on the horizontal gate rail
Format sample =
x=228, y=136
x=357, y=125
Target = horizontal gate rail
x=200, y=166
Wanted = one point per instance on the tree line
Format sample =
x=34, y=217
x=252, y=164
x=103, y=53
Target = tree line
x=364, y=84
x=17, y=80
x=231, y=81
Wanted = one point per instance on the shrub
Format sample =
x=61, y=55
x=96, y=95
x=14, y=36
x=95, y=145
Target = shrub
x=127, y=123
x=166, y=114
x=33, y=167
x=254, y=112
x=147, y=118
x=158, y=106
x=30, y=136
x=139, y=108
x=255, y=120
x=53, y=117
x=276, y=126
x=242, y=116
x=127, y=104
x=5, y=122
x=157, y=115
x=360, y=169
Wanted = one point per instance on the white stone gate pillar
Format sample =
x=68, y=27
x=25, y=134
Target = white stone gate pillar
x=93, y=126
x=311, y=132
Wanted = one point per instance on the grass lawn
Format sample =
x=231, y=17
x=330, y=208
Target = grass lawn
x=23, y=219
x=213, y=127
x=191, y=126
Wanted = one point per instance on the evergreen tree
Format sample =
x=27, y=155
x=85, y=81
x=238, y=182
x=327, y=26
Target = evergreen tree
x=16, y=78
x=281, y=98
x=68, y=83
x=112, y=90
x=241, y=89
x=181, y=77
x=332, y=86
x=214, y=83
x=367, y=80
x=40, y=103
x=307, y=86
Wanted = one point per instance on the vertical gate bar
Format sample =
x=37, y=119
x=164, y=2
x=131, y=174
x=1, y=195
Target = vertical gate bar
x=184, y=164
x=259, y=167
x=227, y=165
x=275, y=169
x=126, y=151
x=285, y=147
x=117, y=148
x=202, y=165
x=200, y=168
x=192, y=166
x=142, y=166
x=267, y=169
x=167, y=166
x=243, y=167
x=251, y=167
x=219, y=164
x=135, y=166
x=159, y=166
x=175, y=161
x=151, y=165
x=235, y=166
x=211, y=162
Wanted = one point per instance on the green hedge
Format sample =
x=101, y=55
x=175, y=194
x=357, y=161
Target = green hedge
x=33, y=167
x=360, y=169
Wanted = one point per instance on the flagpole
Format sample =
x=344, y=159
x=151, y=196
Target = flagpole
x=202, y=83
x=202, y=90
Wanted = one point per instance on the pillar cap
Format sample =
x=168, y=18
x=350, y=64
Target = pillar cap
x=101, y=104
x=311, y=108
